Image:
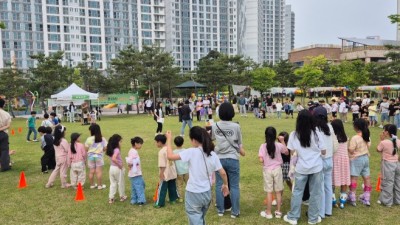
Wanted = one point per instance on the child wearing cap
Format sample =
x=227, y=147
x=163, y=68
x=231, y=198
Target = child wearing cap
x=77, y=158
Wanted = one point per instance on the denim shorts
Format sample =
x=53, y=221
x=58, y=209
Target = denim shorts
x=360, y=166
x=385, y=117
x=372, y=118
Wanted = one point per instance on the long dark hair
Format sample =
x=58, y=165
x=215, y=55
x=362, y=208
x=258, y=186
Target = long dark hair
x=338, y=128
x=96, y=132
x=362, y=126
x=285, y=136
x=321, y=122
x=74, y=138
x=270, y=137
x=201, y=135
x=305, y=127
x=59, y=133
x=158, y=105
x=113, y=143
x=392, y=130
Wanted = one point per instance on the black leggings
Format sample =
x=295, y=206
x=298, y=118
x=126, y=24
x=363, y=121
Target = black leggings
x=159, y=127
x=198, y=115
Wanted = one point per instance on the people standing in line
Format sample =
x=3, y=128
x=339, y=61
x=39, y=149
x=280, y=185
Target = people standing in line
x=31, y=124
x=359, y=162
x=117, y=170
x=228, y=137
x=390, y=166
x=167, y=174
x=256, y=105
x=279, y=107
x=96, y=145
x=159, y=117
x=71, y=110
x=199, y=108
x=61, y=148
x=77, y=161
x=341, y=164
x=186, y=117
x=384, y=109
x=331, y=144
x=242, y=105
x=269, y=155
x=202, y=162
x=48, y=160
x=135, y=173
x=308, y=143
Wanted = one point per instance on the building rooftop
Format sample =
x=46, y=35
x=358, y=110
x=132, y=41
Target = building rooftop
x=316, y=46
x=370, y=41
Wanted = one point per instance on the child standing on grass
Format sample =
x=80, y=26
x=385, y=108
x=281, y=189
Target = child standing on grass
x=372, y=110
x=341, y=163
x=279, y=107
x=390, y=166
x=77, y=160
x=359, y=162
x=167, y=172
x=182, y=169
x=95, y=145
x=135, y=173
x=61, y=147
x=48, y=159
x=270, y=156
x=31, y=124
x=117, y=171
x=285, y=160
x=46, y=121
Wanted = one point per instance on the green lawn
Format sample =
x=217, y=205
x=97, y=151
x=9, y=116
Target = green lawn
x=37, y=205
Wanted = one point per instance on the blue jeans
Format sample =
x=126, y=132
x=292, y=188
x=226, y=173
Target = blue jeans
x=31, y=129
x=196, y=206
x=326, y=188
x=232, y=168
x=256, y=111
x=184, y=122
x=397, y=120
x=315, y=181
x=137, y=190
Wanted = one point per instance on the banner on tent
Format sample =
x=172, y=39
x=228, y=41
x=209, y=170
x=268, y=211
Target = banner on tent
x=80, y=97
x=119, y=99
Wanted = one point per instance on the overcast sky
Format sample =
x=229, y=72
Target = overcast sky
x=323, y=21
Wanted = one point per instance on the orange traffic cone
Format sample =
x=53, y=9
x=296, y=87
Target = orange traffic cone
x=79, y=193
x=19, y=129
x=12, y=132
x=155, y=196
x=378, y=184
x=22, y=181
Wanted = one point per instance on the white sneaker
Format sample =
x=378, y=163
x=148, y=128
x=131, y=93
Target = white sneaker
x=306, y=202
x=293, y=222
x=319, y=221
x=220, y=214
x=274, y=202
x=265, y=215
x=380, y=126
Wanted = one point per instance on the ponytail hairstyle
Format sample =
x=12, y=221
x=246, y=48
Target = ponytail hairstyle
x=321, y=122
x=361, y=126
x=113, y=143
x=270, y=137
x=338, y=128
x=392, y=130
x=74, y=138
x=201, y=135
x=59, y=133
x=305, y=127
x=136, y=140
x=285, y=136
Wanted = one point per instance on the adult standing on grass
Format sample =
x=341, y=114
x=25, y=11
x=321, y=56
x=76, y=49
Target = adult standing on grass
x=228, y=136
x=307, y=141
x=202, y=163
x=186, y=117
x=159, y=117
x=5, y=123
x=242, y=105
x=256, y=105
x=96, y=145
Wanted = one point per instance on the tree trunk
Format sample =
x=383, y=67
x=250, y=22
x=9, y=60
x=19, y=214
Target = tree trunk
x=11, y=108
x=43, y=105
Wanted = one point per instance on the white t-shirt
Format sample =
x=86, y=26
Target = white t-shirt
x=329, y=141
x=278, y=106
x=148, y=103
x=328, y=108
x=342, y=108
x=355, y=109
x=309, y=158
x=365, y=101
x=334, y=107
x=46, y=123
x=199, y=179
x=384, y=107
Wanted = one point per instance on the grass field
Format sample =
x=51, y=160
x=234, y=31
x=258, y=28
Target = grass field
x=37, y=205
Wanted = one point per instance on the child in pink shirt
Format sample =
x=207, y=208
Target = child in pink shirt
x=117, y=171
x=77, y=159
x=390, y=166
x=61, y=148
x=270, y=156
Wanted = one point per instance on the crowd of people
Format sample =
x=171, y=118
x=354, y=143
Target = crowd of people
x=313, y=160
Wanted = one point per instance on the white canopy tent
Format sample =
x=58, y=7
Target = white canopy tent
x=73, y=92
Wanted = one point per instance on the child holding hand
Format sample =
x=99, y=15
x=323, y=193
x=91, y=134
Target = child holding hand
x=135, y=173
